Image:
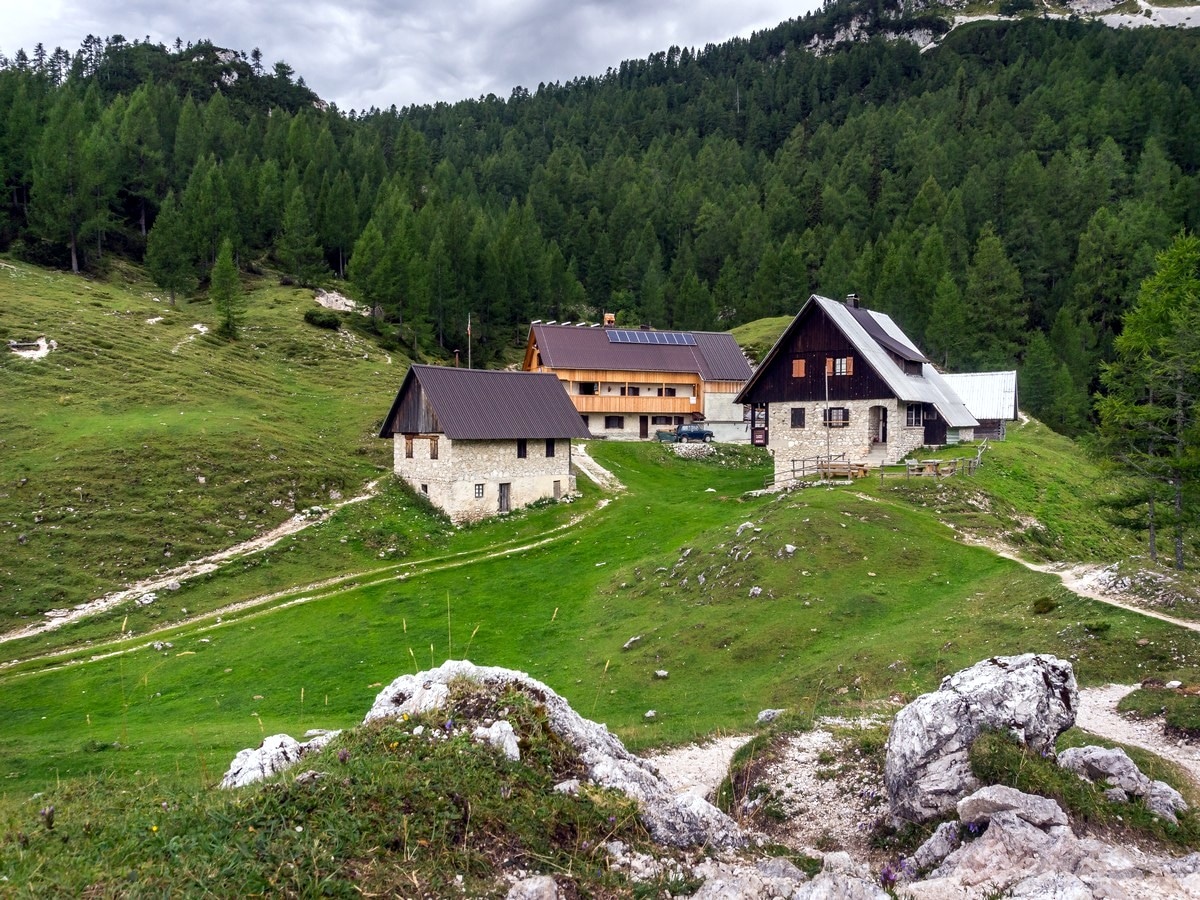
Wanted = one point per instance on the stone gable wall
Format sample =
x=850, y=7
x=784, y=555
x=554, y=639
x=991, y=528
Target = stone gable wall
x=449, y=481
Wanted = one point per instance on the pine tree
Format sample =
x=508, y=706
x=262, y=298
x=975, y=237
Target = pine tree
x=167, y=256
x=225, y=292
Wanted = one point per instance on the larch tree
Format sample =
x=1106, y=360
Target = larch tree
x=168, y=258
x=225, y=292
x=1149, y=423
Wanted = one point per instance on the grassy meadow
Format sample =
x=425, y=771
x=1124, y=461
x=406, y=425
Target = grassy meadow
x=141, y=442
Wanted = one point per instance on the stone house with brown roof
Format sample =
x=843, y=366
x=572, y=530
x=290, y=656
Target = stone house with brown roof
x=845, y=382
x=628, y=383
x=481, y=442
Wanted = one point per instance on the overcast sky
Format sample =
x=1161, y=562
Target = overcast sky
x=362, y=53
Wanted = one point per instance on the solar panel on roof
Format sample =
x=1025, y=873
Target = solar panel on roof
x=640, y=336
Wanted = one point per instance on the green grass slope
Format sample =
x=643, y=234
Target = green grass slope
x=877, y=599
x=141, y=442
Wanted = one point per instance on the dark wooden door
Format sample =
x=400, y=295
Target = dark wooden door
x=643, y=427
x=505, y=502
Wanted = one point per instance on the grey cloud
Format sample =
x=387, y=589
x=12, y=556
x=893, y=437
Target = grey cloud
x=362, y=53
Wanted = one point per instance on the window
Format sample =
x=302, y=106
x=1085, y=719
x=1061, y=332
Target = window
x=912, y=417
x=522, y=450
x=797, y=368
x=425, y=489
x=433, y=447
x=588, y=388
x=479, y=492
x=839, y=365
x=408, y=451
x=614, y=422
x=797, y=416
x=666, y=392
x=631, y=391
x=661, y=420
x=836, y=417
x=911, y=367
x=549, y=447
x=585, y=420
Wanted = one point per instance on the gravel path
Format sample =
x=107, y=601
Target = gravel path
x=1098, y=714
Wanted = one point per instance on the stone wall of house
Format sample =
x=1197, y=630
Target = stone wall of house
x=854, y=440
x=725, y=418
x=464, y=469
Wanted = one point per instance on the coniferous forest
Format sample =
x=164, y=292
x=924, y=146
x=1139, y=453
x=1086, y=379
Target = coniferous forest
x=1002, y=196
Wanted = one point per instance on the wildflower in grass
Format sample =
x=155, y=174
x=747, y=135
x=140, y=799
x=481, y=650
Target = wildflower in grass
x=343, y=755
x=47, y=814
x=153, y=829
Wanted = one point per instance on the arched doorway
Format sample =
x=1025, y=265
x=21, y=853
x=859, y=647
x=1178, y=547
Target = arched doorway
x=878, y=416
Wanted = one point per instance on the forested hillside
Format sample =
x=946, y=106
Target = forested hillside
x=1002, y=195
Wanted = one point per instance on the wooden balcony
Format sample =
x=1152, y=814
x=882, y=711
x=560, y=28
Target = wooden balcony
x=614, y=404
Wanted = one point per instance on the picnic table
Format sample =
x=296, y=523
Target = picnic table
x=842, y=469
x=936, y=467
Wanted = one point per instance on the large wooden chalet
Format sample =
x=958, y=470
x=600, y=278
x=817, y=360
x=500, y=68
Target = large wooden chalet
x=480, y=442
x=843, y=381
x=630, y=382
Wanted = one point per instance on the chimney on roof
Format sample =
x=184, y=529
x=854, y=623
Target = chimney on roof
x=610, y=319
x=852, y=301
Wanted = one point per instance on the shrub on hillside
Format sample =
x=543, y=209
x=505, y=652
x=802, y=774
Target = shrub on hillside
x=320, y=317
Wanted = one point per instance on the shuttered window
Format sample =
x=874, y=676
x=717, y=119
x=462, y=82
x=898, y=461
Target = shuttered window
x=798, y=368
x=839, y=365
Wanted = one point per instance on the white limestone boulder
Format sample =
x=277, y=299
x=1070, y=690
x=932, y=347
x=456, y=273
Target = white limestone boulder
x=1033, y=697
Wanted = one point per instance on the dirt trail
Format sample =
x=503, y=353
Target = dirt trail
x=56, y=618
x=1085, y=580
x=593, y=470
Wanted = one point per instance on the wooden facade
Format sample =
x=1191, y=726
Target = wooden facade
x=626, y=383
x=813, y=349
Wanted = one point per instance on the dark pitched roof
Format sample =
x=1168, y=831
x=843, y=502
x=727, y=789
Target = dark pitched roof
x=715, y=356
x=483, y=404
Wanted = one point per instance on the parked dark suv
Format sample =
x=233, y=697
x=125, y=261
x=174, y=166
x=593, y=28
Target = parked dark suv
x=687, y=433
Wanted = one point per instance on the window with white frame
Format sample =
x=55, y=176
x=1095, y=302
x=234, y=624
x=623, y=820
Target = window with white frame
x=912, y=416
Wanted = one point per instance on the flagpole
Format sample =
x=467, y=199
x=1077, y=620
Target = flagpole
x=468, y=340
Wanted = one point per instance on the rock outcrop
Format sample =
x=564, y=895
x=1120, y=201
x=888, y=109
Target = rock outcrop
x=1114, y=767
x=275, y=754
x=683, y=821
x=676, y=821
x=1025, y=849
x=1032, y=696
